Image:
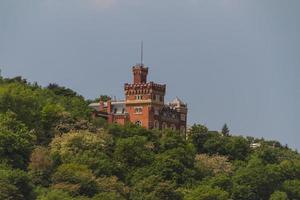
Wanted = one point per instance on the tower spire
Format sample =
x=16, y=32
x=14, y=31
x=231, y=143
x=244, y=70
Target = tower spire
x=142, y=52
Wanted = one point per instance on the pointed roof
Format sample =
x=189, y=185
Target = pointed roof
x=178, y=102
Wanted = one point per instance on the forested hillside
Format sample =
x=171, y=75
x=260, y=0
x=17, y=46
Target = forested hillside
x=50, y=149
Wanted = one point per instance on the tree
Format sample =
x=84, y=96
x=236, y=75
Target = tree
x=83, y=147
x=61, y=91
x=75, y=179
x=154, y=188
x=290, y=169
x=255, y=181
x=198, y=134
x=278, y=195
x=176, y=165
x=111, y=185
x=221, y=181
x=292, y=188
x=108, y=196
x=16, y=141
x=237, y=148
x=133, y=152
x=40, y=166
x=203, y=192
x=225, y=130
x=55, y=195
x=171, y=140
x=213, y=165
x=15, y=184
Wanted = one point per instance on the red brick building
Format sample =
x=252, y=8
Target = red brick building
x=144, y=105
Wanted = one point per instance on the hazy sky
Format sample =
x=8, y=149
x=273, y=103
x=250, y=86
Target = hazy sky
x=233, y=61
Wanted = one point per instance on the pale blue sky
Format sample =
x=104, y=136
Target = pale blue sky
x=233, y=61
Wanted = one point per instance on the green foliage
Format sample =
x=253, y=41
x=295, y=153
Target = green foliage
x=111, y=185
x=40, y=166
x=278, y=195
x=16, y=141
x=225, y=130
x=154, y=188
x=220, y=181
x=292, y=188
x=133, y=152
x=176, y=165
x=108, y=196
x=256, y=180
x=50, y=149
x=40, y=108
x=15, y=184
x=55, y=195
x=203, y=192
x=91, y=149
x=199, y=135
x=76, y=179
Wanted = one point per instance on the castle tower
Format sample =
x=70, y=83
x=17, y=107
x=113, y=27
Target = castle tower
x=181, y=108
x=139, y=74
x=143, y=98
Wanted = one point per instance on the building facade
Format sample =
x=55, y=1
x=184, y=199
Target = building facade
x=144, y=105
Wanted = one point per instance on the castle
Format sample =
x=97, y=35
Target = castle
x=144, y=105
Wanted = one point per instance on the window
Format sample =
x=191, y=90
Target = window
x=138, y=110
x=138, y=123
x=156, y=111
x=138, y=97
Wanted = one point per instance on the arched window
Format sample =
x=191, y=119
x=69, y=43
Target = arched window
x=138, y=123
x=156, y=124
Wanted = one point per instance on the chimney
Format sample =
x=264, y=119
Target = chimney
x=101, y=108
x=109, y=105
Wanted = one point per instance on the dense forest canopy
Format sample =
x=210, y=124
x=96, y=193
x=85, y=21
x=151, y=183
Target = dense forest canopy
x=51, y=149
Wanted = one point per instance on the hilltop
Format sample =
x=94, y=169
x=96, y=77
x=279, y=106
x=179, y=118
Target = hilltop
x=51, y=148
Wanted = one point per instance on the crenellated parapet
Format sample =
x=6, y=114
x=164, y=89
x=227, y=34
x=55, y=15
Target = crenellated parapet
x=144, y=88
